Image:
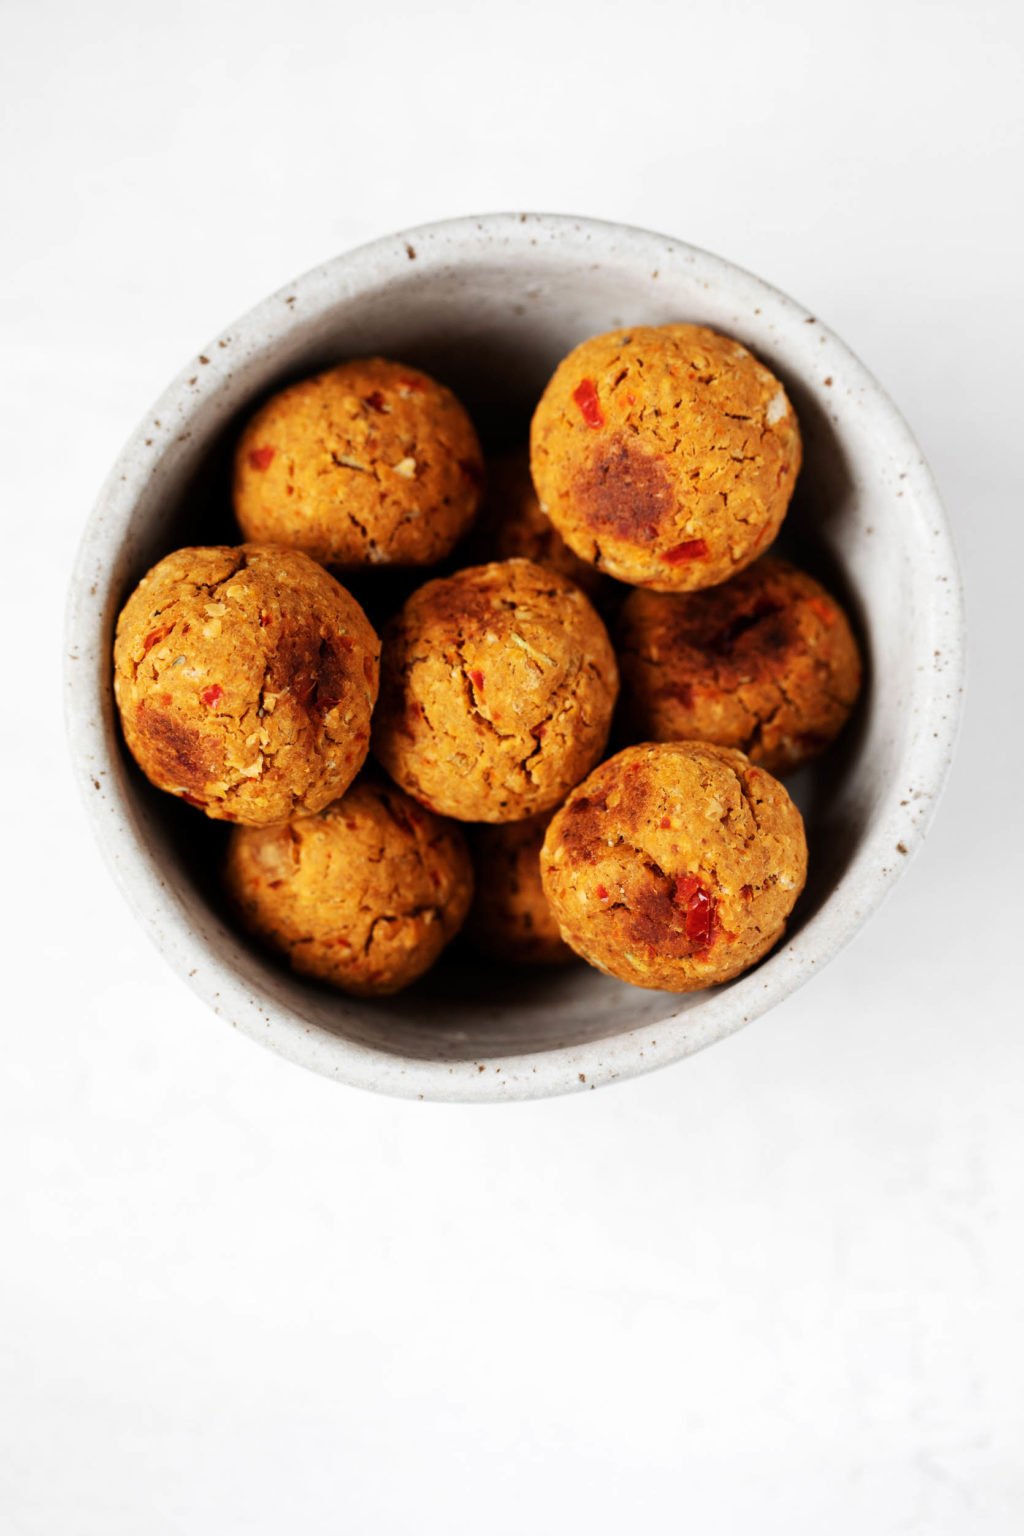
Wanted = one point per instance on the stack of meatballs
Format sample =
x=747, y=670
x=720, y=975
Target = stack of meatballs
x=610, y=583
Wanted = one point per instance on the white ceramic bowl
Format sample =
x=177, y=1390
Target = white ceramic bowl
x=490, y=305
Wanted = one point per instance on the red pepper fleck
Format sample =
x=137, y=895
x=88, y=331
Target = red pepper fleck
x=346, y=643
x=192, y=800
x=825, y=612
x=602, y=893
x=266, y=619
x=747, y=892
x=376, y=402
x=700, y=910
x=692, y=549
x=155, y=636
x=585, y=396
x=417, y=386
x=699, y=914
x=666, y=823
x=261, y=458
x=347, y=942
x=477, y=679
x=210, y=696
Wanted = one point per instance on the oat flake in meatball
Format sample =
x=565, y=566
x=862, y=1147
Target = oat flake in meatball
x=666, y=455
x=765, y=662
x=245, y=678
x=364, y=895
x=675, y=865
x=370, y=463
x=497, y=689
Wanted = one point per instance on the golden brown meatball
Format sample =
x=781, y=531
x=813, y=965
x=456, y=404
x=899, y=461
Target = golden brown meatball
x=510, y=917
x=497, y=689
x=245, y=679
x=675, y=866
x=370, y=463
x=364, y=895
x=766, y=662
x=666, y=455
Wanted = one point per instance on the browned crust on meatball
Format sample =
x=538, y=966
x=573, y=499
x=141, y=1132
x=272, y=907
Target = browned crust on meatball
x=497, y=690
x=665, y=455
x=766, y=663
x=674, y=865
x=364, y=895
x=370, y=463
x=624, y=491
x=245, y=679
x=510, y=918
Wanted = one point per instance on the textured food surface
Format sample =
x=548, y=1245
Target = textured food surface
x=245, y=679
x=665, y=455
x=675, y=865
x=511, y=918
x=497, y=690
x=364, y=896
x=512, y=526
x=766, y=662
x=372, y=462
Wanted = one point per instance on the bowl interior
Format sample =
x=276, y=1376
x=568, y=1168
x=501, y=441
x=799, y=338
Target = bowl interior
x=491, y=313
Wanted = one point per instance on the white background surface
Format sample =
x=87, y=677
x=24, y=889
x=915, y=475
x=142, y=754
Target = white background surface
x=776, y=1289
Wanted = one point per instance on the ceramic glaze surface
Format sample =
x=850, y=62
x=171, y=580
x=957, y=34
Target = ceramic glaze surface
x=490, y=305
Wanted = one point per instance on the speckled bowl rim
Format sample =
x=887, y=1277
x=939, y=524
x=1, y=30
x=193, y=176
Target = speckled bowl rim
x=869, y=877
